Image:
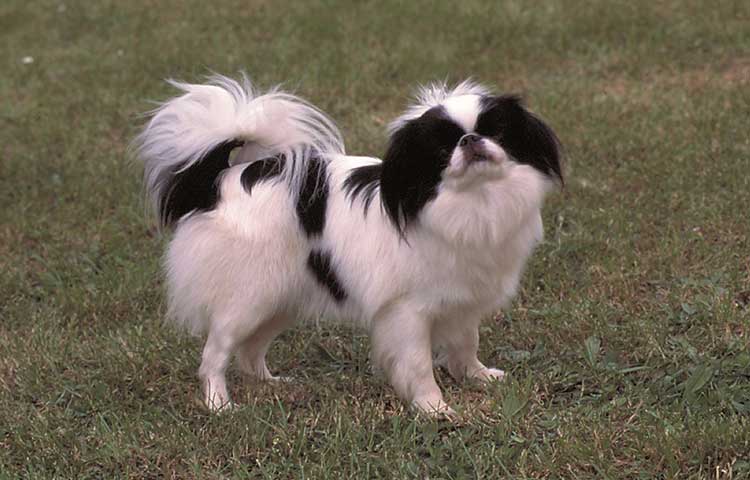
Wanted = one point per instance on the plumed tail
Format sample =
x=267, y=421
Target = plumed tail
x=187, y=143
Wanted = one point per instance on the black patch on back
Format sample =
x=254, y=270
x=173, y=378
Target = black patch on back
x=260, y=170
x=313, y=197
x=412, y=168
x=195, y=188
x=319, y=264
x=522, y=134
x=363, y=181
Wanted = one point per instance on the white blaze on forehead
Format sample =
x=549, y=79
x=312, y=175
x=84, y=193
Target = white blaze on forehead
x=436, y=94
x=463, y=110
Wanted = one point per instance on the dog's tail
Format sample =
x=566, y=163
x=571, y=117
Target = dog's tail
x=188, y=140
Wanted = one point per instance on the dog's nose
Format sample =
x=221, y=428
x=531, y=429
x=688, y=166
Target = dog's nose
x=468, y=139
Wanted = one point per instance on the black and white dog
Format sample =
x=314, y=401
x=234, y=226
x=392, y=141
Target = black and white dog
x=275, y=223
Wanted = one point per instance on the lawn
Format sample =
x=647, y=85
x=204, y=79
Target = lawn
x=628, y=347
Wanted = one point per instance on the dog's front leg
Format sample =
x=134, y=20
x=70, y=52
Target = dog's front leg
x=458, y=344
x=401, y=347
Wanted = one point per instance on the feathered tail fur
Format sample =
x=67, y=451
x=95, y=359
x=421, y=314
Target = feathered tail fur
x=188, y=141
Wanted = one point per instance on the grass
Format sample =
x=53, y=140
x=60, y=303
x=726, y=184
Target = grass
x=628, y=347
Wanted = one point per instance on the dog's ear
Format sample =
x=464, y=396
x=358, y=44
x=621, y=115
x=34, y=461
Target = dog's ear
x=407, y=181
x=521, y=133
x=418, y=152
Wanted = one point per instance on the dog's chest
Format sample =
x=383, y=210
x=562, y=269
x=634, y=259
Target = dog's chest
x=483, y=278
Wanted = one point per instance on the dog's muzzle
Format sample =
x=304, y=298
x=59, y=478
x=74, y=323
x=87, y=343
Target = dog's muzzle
x=473, y=147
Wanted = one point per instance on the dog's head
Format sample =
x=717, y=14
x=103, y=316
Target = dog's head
x=458, y=139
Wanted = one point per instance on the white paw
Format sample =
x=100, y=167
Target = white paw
x=218, y=401
x=435, y=408
x=488, y=375
x=217, y=406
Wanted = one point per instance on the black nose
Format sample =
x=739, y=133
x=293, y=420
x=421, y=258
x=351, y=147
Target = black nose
x=468, y=139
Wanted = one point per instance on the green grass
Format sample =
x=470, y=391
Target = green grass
x=628, y=347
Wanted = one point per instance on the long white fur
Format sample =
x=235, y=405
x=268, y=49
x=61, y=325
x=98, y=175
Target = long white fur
x=239, y=273
x=434, y=94
x=182, y=130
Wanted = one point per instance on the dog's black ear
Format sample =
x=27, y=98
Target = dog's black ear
x=522, y=134
x=413, y=164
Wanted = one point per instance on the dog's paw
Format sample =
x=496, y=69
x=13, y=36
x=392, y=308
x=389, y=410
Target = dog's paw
x=217, y=403
x=434, y=408
x=487, y=375
x=218, y=407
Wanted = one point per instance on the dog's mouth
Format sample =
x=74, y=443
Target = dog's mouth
x=477, y=153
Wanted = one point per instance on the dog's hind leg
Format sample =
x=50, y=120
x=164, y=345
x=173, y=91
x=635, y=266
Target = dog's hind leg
x=227, y=331
x=217, y=352
x=251, y=354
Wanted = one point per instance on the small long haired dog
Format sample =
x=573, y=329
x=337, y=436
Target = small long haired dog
x=274, y=222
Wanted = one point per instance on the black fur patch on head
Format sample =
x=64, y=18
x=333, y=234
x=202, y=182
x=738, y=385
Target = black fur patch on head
x=523, y=135
x=363, y=181
x=195, y=188
x=313, y=197
x=412, y=168
x=319, y=264
x=259, y=170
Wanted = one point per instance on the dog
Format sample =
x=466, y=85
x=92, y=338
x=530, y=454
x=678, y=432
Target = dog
x=274, y=223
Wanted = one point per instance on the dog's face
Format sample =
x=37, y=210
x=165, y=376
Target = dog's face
x=459, y=144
